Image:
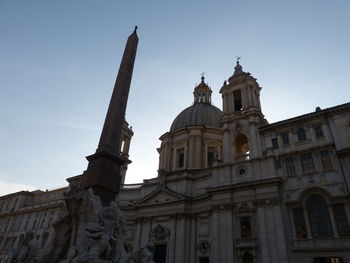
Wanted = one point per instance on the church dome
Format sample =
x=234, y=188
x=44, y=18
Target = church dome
x=201, y=112
x=198, y=114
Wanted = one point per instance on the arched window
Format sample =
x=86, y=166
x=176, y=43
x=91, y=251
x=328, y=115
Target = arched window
x=237, y=97
x=318, y=215
x=242, y=147
x=122, y=145
x=247, y=258
x=301, y=134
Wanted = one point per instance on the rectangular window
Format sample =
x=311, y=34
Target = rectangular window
x=210, y=156
x=278, y=164
x=285, y=138
x=274, y=143
x=301, y=134
x=237, y=100
x=341, y=220
x=318, y=215
x=159, y=253
x=289, y=162
x=307, y=162
x=318, y=131
x=246, y=231
x=299, y=223
x=180, y=155
x=326, y=160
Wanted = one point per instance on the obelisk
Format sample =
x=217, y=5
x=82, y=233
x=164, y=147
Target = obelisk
x=103, y=171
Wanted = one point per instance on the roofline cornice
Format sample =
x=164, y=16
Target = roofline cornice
x=325, y=112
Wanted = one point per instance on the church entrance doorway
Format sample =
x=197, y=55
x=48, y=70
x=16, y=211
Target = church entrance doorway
x=160, y=253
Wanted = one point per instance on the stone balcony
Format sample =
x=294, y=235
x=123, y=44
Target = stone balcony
x=246, y=243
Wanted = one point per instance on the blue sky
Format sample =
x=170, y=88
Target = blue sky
x=59, y=59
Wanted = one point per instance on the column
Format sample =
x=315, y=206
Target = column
x=193, y=240
x=245, y=99
x=263, y=240
x=254, y=144
x=172, y=244
x=224, y=103
x=137, y=239
x=334, y=225
x=215, y=238
x=226, y=145
x=227, y=235
x=146, y=229
x=273, y=242
x=280, y=236
x=191, y=154
x=231, y=104
x=180, y=239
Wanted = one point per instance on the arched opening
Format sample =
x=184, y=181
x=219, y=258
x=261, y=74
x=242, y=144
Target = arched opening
x=237, y=97
x=242, y=147
x=122, y=145
x=247, y=258
x=318, y=215
x=159, y=255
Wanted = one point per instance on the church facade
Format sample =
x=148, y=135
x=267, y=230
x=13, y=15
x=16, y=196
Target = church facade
x=230, y=188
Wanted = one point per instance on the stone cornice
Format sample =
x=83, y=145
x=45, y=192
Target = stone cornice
x=186, y=130
x=324, y=113
x=31, y=209
x=243, y=115
x=15, y=194
x=250, y=184
x=297, y=152
x=345, y=151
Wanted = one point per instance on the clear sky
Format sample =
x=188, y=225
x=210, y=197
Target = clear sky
x=59, y=59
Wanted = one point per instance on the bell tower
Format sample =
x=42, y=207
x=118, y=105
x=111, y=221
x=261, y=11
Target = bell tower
x=242, y=116
x=241, y=93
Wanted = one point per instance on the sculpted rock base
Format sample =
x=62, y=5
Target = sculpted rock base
x=86, y=232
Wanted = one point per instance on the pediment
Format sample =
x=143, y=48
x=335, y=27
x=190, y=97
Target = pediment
x=161, y=196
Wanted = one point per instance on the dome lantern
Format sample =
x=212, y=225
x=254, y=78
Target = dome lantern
x=202, y=92
x=201, y=113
